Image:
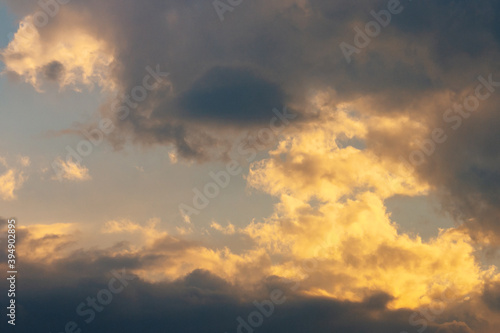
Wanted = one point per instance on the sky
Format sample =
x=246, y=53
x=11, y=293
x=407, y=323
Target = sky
x=251, y=166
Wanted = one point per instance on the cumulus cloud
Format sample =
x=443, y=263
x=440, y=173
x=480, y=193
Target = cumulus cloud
x=332, y=210
x=331, y=214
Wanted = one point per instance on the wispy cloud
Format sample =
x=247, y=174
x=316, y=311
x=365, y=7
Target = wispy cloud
x=10, y=181
x=71, y=171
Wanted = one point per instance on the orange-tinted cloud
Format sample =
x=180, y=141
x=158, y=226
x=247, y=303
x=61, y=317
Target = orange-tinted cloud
x=69, y=170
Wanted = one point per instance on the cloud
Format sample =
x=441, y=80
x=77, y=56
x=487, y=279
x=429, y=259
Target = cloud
x=71, y=171
x=199, y=299
x=229, y=230
x=47, y=242
x=54, y=71
x=332, y=211
x=217, y=70
x=455, y=327
x=331, y=173
x=232, y=95
x=148, y=232
x=71, y=57
x=10, y=181
x=25, y=161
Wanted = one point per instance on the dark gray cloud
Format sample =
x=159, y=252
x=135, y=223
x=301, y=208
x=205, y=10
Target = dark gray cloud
x=465, y=170
x=199, y=302
x=53, y=71
x=231, y=95
x=491, y=296
x=428, y=47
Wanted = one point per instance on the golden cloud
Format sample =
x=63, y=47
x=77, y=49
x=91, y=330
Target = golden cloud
x=72, y=171
x=332, y=210
x=71, y=58
x=10, y=181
